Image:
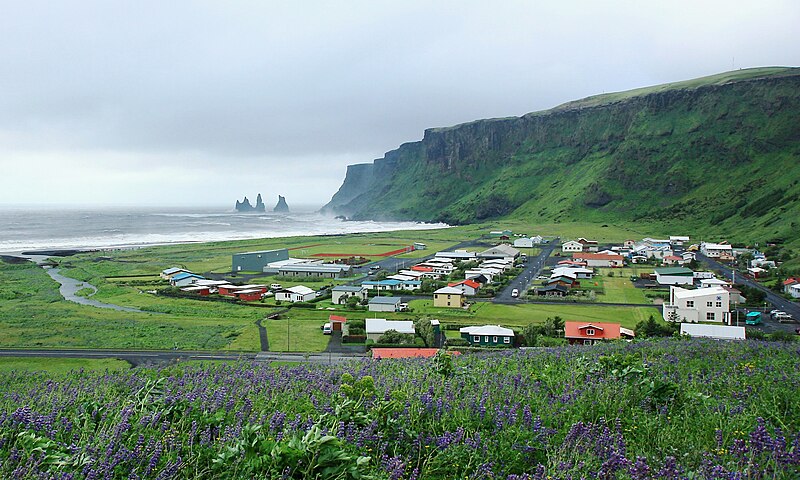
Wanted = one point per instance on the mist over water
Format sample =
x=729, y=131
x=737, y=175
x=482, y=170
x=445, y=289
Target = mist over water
x=22, y=229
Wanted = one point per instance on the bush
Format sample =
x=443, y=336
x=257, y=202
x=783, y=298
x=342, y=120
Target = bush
x=457, y=342
x=303, y=305
x=354, y=339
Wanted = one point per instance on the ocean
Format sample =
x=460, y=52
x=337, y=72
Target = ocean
x=47, y=229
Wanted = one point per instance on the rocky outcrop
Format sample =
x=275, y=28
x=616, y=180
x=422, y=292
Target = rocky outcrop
x=246, y=207
x=281, y=206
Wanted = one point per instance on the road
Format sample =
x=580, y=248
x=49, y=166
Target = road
x=524, y=280
x=775, y=300
x=161, y=357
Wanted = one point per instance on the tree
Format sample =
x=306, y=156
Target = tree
x=652, y=328
x=424, y=330
x=393, y=337
x=352, y=301
x=530, y=334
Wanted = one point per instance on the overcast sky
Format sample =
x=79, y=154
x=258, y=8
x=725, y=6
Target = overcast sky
x=182, y=103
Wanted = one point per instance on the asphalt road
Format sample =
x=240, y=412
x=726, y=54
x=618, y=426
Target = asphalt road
x=524, y=280
x=775, y=300
x=162, y=357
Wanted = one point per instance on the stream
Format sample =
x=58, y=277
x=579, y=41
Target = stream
x=70, y=286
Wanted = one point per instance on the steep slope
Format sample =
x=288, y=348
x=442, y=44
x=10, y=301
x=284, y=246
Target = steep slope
x=718, y=153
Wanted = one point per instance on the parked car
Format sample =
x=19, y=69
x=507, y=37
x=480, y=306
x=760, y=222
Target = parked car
x=515, y=293
x=327, y=329
x=783, y=317
x=275, y=286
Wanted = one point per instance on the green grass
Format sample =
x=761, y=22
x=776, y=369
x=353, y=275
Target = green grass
x=298, y=332
x=519, y=315
x=619, y=288
x=59, y=365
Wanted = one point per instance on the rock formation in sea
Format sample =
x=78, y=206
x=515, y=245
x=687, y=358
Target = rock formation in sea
x=246, y=207
x=281, y=207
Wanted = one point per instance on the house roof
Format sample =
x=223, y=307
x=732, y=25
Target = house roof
x=721, y=332
x=347, y=288
x=502, y=250
x=550, y=288
x=181, y=276
x=679, y=292
x=487, y=330
x=172, y=270
x=674, y=258
x=791, y=281
x=596, y=256
x=573, y=329
x=404, y=352
x=337, y=318
x=449, y=291
x=675, y=271
x=468, y=282
x=385, y=300
x=300, y=290
x=381, y=282
x=422, y=268
x=381, y=325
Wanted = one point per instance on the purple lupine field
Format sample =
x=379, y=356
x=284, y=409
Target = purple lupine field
x=667, y=409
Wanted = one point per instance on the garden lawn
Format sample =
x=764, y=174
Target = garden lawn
x=619, y=288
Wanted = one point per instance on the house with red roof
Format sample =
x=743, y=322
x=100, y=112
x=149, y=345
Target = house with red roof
x=589, y=333
x=336, y=322
x=469, y=287
x=673, y=260
x=787, y=284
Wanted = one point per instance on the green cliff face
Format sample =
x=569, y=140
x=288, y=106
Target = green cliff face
x=718, y=153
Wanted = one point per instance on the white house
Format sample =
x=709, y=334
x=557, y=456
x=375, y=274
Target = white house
x=577, y=272
x=571, y=246
x=384, y=304
x=487, y=335
x=674, y=276
x=457, y=255
x=712, y=282
x=702, y=305
x=794, y=290
x=719, y=332
x=299, y=293
x=716, y=250
x=678, y=240
x=376, y=327
x=505, y=252
x=184, y=278
x=341, y=293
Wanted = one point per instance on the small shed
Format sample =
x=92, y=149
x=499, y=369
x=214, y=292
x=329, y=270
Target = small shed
x=336, y=322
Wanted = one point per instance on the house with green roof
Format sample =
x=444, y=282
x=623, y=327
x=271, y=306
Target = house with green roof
x=674, y=276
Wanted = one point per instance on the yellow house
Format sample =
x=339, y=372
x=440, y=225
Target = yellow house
x=448, y=297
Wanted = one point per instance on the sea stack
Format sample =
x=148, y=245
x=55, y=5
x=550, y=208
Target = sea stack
x=281, y=207
x=246, y=207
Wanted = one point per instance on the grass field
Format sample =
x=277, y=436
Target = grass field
x=59, y=365
x=619, y=288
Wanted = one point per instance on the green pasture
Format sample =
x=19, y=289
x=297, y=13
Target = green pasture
x=54, y=365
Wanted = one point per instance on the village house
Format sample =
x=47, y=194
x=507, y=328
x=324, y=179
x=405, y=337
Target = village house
x=385, y=304
x=583, y=333
x=231, y=290
x=299, y=293
x=577, y=272
x=571, y=246
x=712, y=282
x=794, y=290
x=468, y=287
x=718, y=332
x=716, y=250
x=341, y=293
x=376, y=327
x=382, y=285
x=788, y=283
x=488, y=335
x=201, y=290
x=317, y=270
x=337, y=322
x=673, y=260
x=678, y=241
x=600, y=260
x=461, y=255
x=528, y=242
x=565, y=280
x=448, y=297
x=588, y=245
x=184, y=278
x=504, y=252
x=702, y=305
x=249, y=295
x=171, y=272
x=553, y=290
x=674, y=276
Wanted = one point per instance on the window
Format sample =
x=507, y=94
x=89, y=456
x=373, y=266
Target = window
x=494, y=339
x=709, y=304
x=486, y=339
x=719, y=304
x=476, y=339
x=506, y=339
x=711, y=316
x=690, y=304
x=590, y=331
x=587, y=342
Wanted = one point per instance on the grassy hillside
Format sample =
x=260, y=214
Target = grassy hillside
x=715, y=157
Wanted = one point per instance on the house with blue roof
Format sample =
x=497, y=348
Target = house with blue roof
x=388, y=284
x=184, y=279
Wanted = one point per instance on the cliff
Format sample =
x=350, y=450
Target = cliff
x=246, y=207
x=709, y=150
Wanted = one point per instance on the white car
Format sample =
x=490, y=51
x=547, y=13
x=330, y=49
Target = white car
x=515, y=293
x=275, y=286
x=327, y=329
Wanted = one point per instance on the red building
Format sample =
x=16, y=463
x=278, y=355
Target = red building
x=336, y=322
x=250, y=295
x=585, y=333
